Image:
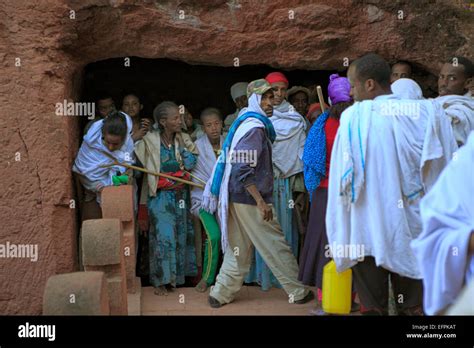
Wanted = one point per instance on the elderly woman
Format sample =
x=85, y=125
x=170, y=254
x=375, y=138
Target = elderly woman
x=165, y=149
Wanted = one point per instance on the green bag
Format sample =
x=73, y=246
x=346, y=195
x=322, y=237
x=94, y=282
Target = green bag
x=118, y=180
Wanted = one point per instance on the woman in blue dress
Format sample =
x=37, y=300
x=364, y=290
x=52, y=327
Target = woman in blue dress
x=165, y=149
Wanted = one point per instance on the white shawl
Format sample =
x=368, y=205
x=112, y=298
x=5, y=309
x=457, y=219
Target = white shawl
x=447, y=213
x=290, y=129
x=407, y=89
x=460, y=110
x=92, y=156
x=203, y=170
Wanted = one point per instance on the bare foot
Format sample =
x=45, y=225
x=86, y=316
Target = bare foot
x=201, y=286
x=161, y=291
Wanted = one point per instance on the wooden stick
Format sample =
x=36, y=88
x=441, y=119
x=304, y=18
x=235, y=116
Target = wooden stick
x=196, y=177
x=140, y=169
x=155, y=174
x=321, y=98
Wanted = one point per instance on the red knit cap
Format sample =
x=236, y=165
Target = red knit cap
x=276, y=77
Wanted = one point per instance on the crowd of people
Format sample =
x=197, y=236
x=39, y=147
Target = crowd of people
x=378, y=179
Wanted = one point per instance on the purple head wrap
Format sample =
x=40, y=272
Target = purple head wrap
x=339, y=89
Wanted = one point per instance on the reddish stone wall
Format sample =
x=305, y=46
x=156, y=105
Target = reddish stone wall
x=35, y=192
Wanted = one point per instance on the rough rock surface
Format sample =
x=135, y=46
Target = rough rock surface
x=43, y=51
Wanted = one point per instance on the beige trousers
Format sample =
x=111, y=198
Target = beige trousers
x=246, y=229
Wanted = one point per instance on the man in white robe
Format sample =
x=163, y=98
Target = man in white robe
x=454, y=82
x=445, y=248
x=387, y=154
x=290, y=128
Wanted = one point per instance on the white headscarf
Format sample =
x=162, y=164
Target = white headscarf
x=254, y=105
x=406, y=89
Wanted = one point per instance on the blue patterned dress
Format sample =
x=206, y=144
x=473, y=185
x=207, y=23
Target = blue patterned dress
x=172, y=250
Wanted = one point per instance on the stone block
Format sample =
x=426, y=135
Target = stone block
x=78, y=293
x=117, y=203
x=101, y=242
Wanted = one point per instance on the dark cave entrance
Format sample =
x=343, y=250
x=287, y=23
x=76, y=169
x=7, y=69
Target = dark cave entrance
x=195, y=86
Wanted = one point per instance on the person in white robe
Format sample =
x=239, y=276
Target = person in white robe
x=454, y=83
x=93, y=169
x=100, y=145
x=445, y=248
x=387, y=154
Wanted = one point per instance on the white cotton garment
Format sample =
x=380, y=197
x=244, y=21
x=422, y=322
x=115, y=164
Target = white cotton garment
x=203, y=170
x=386, y=155
x=92, y=156
x=290, y=129
x=406, y=89
x=447, y=213
x=460, y=110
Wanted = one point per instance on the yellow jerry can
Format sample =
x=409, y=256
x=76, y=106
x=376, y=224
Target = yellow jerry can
x=337, y=290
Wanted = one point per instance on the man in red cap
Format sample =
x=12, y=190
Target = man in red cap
x=279, y=83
